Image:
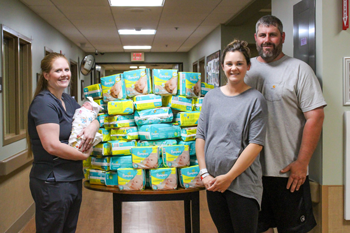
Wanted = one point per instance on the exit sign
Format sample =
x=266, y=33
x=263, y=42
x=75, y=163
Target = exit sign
x=137, y=57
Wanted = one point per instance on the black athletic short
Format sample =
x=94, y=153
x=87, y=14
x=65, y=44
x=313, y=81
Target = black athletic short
x=289, y=212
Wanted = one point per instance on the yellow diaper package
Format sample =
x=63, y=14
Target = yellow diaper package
x=164, y=81
x=120, y=107
x=101, y=103
x=145, y=157
x=189, y=84
x=176, y=156
x=187, y=118
x=131, y=179
x=87, y=163
x=128, y=133
x=197, y=104
x=142, y=102
x=121, y=147
x=86, y=171
x=189, y=177
x=116, y=121
x=188, y=133
x=137, y=82
x=163, y=178
x=205, y=87
x=106, y=134
x=100, y=163
x=113, y=87
x=180, y=103
x=101, y=149
x=97, y=177
x=94, y=91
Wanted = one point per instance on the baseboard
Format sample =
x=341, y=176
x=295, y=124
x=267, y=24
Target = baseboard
x=23, y=220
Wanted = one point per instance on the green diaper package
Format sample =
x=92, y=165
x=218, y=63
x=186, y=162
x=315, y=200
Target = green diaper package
x=163, y=178
x=189, y=177
x=121, y=147
x=111, y=178
x=120, y=107
x=191, y=145
x=113, y=87
x=97, y=177
x=103, y=149
x=176, y=156
x=161, y=142
x=128, y=133
x=180, y=103
x=159, y=131
x=94, y=91
x=100, y=163
x=153, y=116
x=131, y=179
x=117, y=162
x=142, y=102
x=187, y=118
x=145, y=157
x=188, y=133
x=117, y=121
x=189, y=84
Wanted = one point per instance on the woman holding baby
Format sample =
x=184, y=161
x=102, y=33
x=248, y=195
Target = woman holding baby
x=57, y=172
x=230, y=135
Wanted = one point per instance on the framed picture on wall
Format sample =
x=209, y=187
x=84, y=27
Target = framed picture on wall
x=82, y=89
x=346, y=81
x=213, y=69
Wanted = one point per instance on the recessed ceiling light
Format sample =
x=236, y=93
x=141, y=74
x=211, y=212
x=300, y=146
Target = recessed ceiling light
x=133, y=67
x=142, y=67
x=137, y=32
x=136, y=2
x=137, y=47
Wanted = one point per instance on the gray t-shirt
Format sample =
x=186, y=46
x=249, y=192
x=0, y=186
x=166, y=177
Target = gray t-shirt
x=290, y=88
x=228, y=124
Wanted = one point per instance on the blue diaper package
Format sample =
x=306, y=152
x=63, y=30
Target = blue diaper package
x=121, y=147
x=117, y=121
x=137, y=82
x=153, y=116
x=159, y=131
x=205, y=87
x=120, y=107
x=131, y=179
x=164, y=81
x=189, y=177
x=191, y=145
x=100, y=163
x=111, y=178
x=128, y=133
x=101, y=118
x=163, y=178
x=113, y=87
x=145, y=157
x=188, y=133
x=180, y=103
x=161, y=142
x=94, y=91
x=176, y=156
x=117, y=162
x=142, y=102
x=189, y=84
x=97, y=177
x=102, y=149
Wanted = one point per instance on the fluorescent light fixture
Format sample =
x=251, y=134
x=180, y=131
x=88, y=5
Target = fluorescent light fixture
x=136, y=2
x=142, y=67
x=137, y=32
x=137, y=47
x=133, y=67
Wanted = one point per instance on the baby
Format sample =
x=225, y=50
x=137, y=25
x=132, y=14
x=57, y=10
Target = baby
x=196, y=182
x=197, y=88
x=141, y=84
x=171, y=85
x=169, y=183
x=116, y=91
x=183, y=160
x=150, y=162
x=135, y=184
x=82, y=118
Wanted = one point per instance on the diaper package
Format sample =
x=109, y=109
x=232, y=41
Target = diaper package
x=189, y=177
x=113, y=87
x=191, y=145
x=137, y=82
x=153, y=116
x=101, y=103
x=121, y=147
x=188, y=133
x=205, y=87
x=197, y=104
x=131, y=179
x=159, y=131
x=103, y=149
x=106, y=134
x=97, y=177
x=94, y=91
x=145, y=157
x=100, y=163
x=193, y=160
x=164, y=81
x=187, y=118
x=117, y=162
x=120, y=107
x=176, y=156
x=128, y=133
x=189, y=84
x=162, y=142
x=142, y=102
x=163, y=178
x=111, y=178
x=87, y=162
x=180, y=103
x=101, y=118
x=86, y=171
x=117, y=121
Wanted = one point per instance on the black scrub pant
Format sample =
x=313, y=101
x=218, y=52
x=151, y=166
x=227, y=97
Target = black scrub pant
x=57, y=205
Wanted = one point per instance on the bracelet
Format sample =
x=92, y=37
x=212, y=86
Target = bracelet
x=203, y=171
x=204, y=175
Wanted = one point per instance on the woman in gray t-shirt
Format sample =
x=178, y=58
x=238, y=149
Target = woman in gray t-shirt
x=230, y=135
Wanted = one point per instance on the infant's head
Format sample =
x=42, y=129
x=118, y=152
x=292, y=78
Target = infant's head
x=116, y=89
x=87, y=105
x=136, y=183
x=171, y=85
x=183, y=159
x=197, y=88
x=170, y=182
x=151, y=161
x=141, y=85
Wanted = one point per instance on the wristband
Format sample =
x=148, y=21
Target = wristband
x=204, y=175
x=203, y=171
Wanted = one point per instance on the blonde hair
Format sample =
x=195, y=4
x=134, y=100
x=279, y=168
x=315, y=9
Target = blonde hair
x=237, y=45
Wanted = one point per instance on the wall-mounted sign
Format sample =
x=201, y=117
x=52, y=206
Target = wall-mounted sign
x=137, y=57
x=345, y=17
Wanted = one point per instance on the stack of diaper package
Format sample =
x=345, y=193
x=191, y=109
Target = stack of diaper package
x=149, y=124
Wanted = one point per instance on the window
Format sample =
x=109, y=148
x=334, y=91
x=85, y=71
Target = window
x=17, y=86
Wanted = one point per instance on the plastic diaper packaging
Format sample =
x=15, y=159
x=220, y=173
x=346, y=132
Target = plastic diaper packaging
x=153, y=116
x=142, y=102
x=113, y=87
x=205, y=87
x=189, y=84
x=188, y=133
x=191, y=145
x=121, y=147
x=106, y=134
x=193, y=160
x=137, y=82
x=162, y=142
x=145, y=157
x=87, y=162
x=187, y=118
x=103, y=149
x=101, y=103
x=163, y=178
x=128, y=133
x=164, y=81
x=197, y=104
x=117, y=162
x=86, y=171
x=180, y=103
x=131, y=179
x=189, y=177
x=97, y=177
x=111, y=178
x=100, y=163
x=94, y=91
x=101, y=119
x=159, y=131
x=117, y=121
x=176, y=156
x=120, y=107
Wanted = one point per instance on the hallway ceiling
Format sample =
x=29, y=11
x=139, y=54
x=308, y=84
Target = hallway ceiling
x=181, y=24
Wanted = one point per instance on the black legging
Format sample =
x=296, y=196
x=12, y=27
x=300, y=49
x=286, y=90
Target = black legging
x=232, y=212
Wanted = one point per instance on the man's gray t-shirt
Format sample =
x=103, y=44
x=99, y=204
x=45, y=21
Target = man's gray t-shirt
x=290, y=88
x=228, y=124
